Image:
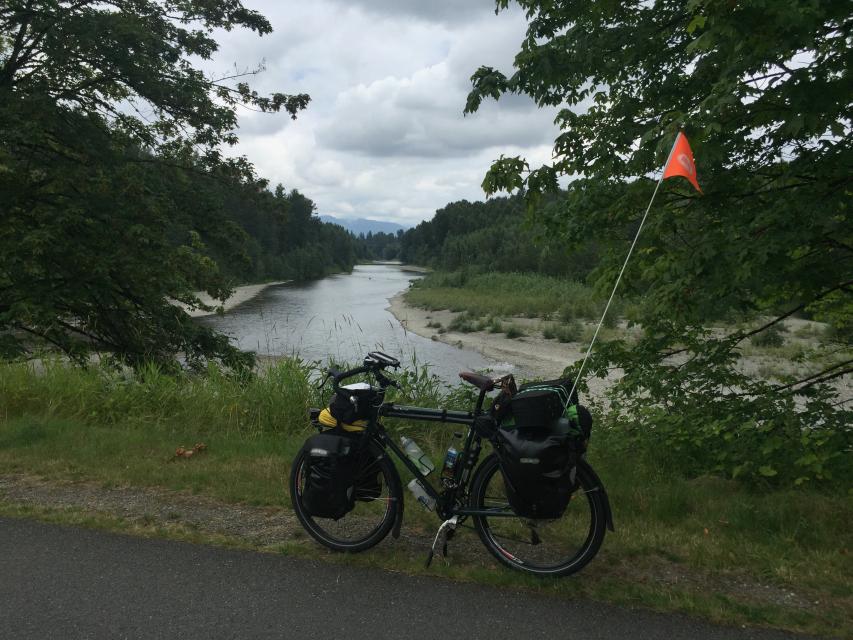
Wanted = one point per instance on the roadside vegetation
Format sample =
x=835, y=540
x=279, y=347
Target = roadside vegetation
x=732, y=551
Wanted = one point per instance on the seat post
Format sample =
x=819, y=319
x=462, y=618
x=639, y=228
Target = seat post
x=478, y=408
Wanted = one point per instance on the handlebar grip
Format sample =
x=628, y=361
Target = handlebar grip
x=337, y=376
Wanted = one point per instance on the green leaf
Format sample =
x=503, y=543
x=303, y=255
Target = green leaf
x=698, y=22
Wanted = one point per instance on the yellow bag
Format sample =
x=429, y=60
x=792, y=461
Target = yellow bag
x=327, y=420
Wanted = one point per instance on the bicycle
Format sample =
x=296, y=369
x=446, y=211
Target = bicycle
x=554, y=547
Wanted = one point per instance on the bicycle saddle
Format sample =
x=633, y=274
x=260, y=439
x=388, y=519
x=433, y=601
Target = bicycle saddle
x=481, y=382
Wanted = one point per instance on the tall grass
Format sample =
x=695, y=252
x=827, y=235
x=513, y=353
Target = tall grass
x=507, y=294
x=274, y=402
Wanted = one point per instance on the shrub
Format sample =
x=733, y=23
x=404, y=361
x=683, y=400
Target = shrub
x=570, y=332
x=770, y=337
x=514, y=332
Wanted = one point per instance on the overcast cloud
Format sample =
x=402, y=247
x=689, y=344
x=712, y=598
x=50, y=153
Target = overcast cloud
x=384, y=136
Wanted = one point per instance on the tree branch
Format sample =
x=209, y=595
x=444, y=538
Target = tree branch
x=816, y=378
x=800, y=307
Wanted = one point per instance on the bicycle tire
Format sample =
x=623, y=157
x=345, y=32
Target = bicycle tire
x=575, y=537
x=356, y=531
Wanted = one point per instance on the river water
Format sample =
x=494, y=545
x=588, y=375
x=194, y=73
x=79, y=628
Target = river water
x=342, y=317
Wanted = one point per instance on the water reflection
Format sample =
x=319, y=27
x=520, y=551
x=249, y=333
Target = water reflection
x=342, y=317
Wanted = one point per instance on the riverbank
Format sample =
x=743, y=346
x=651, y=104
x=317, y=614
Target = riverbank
x=532, y=352
x=240, y=295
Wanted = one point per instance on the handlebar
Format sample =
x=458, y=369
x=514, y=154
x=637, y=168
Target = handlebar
x=374, y=362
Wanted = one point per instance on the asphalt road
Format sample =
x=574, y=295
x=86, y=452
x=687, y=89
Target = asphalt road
x=64, y=582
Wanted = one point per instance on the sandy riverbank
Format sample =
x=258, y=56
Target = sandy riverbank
x=239, y=296
x=543, y=358
x=547, y=358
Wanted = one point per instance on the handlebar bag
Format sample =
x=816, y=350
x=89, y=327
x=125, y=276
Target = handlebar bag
x=331, y=469
x=352, y=402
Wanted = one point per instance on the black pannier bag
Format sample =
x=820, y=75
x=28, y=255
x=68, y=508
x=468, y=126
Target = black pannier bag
x=351, y=403
x=538, y=468
x=331, y=468
x=541, y=438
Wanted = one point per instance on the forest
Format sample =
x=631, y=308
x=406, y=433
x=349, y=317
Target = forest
x=116, y=198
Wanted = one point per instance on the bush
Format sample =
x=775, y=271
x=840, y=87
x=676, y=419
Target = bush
x=570, y=332
x=514, y=332
x=770, y=337
x=464, y=323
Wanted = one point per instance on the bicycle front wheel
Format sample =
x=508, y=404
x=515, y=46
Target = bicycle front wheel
x=557, y=547
x=377, y=494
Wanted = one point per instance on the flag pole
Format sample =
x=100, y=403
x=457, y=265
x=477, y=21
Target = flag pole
x=619, y=277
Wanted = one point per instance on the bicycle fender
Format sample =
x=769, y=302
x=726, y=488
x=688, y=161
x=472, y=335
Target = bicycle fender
x=398, y=519
x=608, y=514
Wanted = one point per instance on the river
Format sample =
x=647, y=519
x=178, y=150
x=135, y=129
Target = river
x=342, y=317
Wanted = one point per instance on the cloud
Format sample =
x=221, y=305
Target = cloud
x=430, y=10
x=421, y=116
x=384, y=135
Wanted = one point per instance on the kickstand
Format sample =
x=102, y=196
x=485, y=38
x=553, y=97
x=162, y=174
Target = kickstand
x=447, y=528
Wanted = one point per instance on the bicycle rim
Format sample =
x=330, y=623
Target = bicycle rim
x=370, y=520
x=556, y=547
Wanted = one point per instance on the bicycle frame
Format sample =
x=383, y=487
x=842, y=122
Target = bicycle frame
x=468, y=457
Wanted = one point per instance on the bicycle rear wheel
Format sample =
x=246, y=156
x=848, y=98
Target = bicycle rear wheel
x=375, y=509
x=557, y=547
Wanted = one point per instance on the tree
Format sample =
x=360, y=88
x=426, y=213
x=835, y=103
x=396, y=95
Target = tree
x=763, y=91
x=112, y=174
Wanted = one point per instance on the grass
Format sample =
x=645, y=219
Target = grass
x=507, y=294
x=706, y=546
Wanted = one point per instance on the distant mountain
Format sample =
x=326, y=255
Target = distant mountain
x=364, y=225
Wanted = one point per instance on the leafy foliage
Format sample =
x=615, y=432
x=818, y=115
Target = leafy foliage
x=762, y=90
x=494, y=236
x=115, y=196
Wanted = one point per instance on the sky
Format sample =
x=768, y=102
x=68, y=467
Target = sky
x=384, y=136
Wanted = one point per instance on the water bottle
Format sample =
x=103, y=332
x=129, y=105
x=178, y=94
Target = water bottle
x=450, y=458
x=421, y=495
x=414, y=453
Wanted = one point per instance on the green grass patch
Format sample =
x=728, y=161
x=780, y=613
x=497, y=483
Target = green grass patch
x=235, y=467
x=507, y=294
x=706, y=546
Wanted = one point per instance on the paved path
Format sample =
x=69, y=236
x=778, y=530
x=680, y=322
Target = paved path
x=64, y=582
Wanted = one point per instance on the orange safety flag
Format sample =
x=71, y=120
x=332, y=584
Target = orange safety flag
x=681, y=161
